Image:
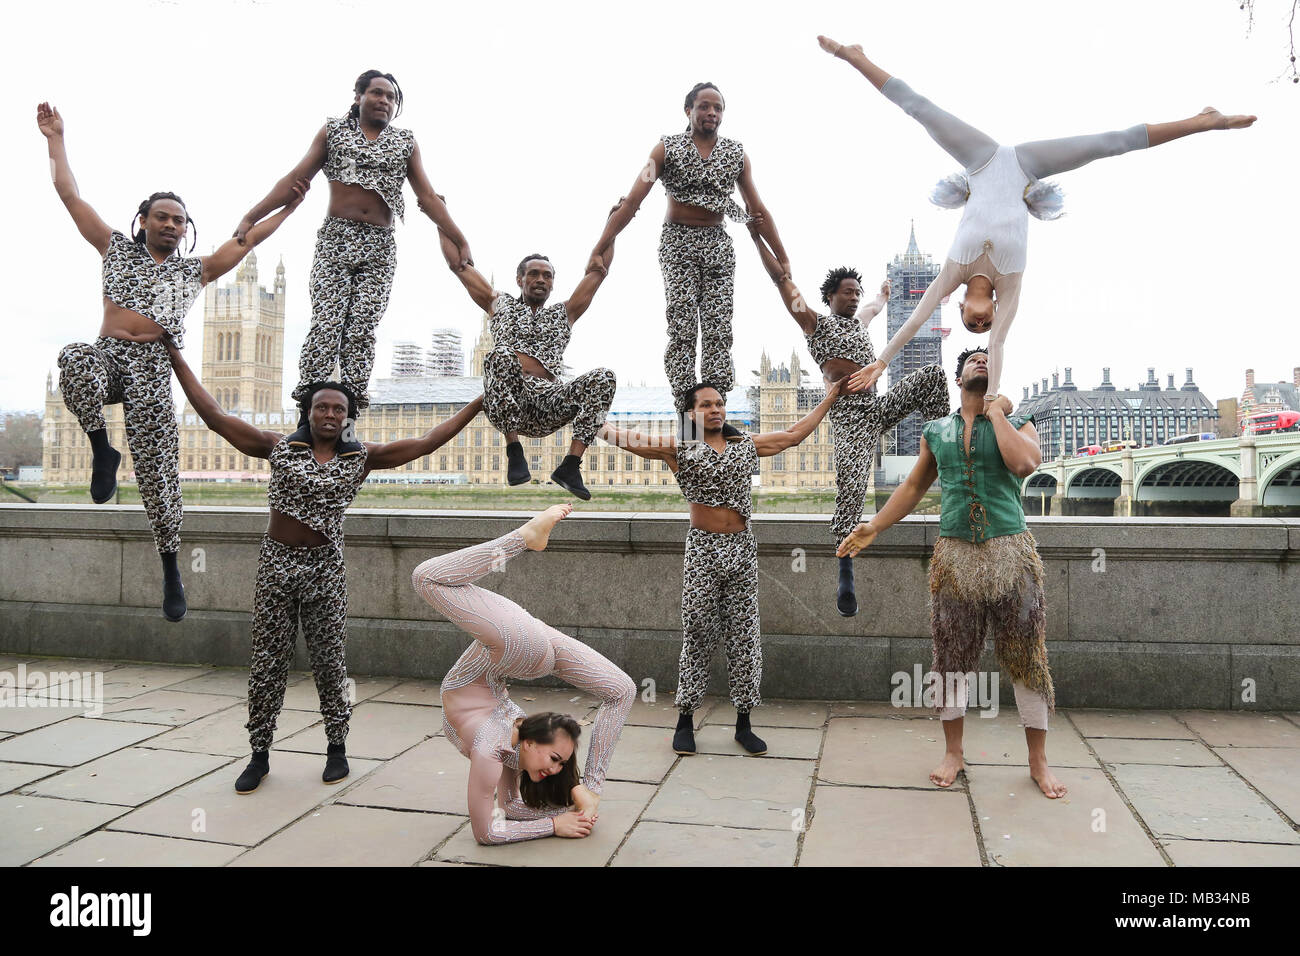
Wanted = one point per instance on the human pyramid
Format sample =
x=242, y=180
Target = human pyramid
x=985, y=572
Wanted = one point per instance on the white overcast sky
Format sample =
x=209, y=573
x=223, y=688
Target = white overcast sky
x=534, y=117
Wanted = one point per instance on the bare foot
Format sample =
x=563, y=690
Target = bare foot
x=1046, y=780
x=944, y=774
x=1219, y=121
x=835, y=49
x=587, y=802
x=538, y=531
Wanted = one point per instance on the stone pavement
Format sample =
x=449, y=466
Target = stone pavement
x=150, y=782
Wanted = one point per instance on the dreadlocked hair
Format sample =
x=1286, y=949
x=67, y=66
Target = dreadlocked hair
x=833, y=280
x=142, y=213
x=519, y=269
x=961, y=359
x=695, y=91
x=556, y=790
x=363, y=83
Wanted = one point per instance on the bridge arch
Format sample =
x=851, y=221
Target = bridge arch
x=1279, y=483
x=1093, y=482
x=1188, y=479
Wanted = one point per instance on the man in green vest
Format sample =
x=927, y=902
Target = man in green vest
x=985, y=572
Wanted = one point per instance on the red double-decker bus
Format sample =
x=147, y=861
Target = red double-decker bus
x=1265, y=423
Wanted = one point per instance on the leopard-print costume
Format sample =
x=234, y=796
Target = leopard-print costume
x=307, y=585
x=698, y=264
x=379, y=164
x=533, y=406
x=161, y=291
x=707, y=183
x=139, y=375
x=720, y=603
x=351, y=278
x=719, y=479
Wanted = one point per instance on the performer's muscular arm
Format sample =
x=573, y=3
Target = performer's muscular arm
x=479, y=289
x=869, y=310
x=1018, y=447
x=435, y=207
x=92, y=228
x=580, y=301
x=282, y=193
x=246, y=439
x=394, y=454
x=756, y=208
x=654, y=447
x=628, y=207
x=900, y=504
x=773, y=443
x=794, y=301
x=231, y=252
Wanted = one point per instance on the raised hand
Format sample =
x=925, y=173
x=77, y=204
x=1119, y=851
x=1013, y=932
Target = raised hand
x=48, y=120
x=884, y=288
x=858, y=540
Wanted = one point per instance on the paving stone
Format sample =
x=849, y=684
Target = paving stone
x=733, y=791
x=643, y=754
x=778, y=713
x=37, y=825
x=424, y=692
x=340, y=835
x=1200, y=803
x=107, y=848
x=802, y=743
x=463, y=866
x=74, y=741
x=1179, y=753
x=15, y=775
x=224, y=732
x=879, y=708
x=168, y=707
x=1143, y=724
x=431, y=776
x=129, y=777
x=1021, y=827
x=71, y=664
x=879, y=752
x=619, y=806
x=663, y=713
x=1215, y=853
x=1001, y=740
x=559, y=700
x=868, y=826
x=232, y=682
x=132, y=680
x=1274, y=772
x=10, y=662
x=1227, y=729
x=292, y=788
x=667, y=844
x=375, y=730
x=304, y=696
x=19, y=720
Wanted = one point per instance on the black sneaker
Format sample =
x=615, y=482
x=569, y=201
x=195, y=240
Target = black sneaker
x=568, y=477
x=252, y=776
x=684, y=737
x=173, y=603
x=336, y=764
x=103, y=475
x=846, y=600
x=517, y=472
x=754, y=745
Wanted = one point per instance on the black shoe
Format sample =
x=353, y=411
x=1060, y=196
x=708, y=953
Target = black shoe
x=173, y=604
x=755, y=746
x=103, y=472
x=517, y=472
x=336, y=764
x=684, y=738
x=252, y=776
x=846, y=601
x=568, y=477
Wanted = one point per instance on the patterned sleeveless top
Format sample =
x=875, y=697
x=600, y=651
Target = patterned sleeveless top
x=840, y=336
x=543, y=334
x=161, y=291
x=314, y=493
x=379, y=164
x=719, y=480
x=707, y=183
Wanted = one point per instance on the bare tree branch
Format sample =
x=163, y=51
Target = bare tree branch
x=1249, y=7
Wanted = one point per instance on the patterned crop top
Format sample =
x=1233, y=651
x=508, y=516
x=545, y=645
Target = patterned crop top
x=378, y=164
x=161, y=291
x=840, y=336
x=543, y=334
x=315, y=494
x=719, y=480
x=707, y=183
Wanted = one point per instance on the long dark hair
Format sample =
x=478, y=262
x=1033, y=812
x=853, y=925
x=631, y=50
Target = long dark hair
x=557, y=789
x=142, y=213
x=695, y=91
x=363, y=83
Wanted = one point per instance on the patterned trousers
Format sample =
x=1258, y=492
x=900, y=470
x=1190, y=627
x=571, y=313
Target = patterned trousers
x=857, y=422
x=351, y=277
x=699, y=269
x=139, y=375
x=998, y=585
x=307, y=585
x=537, y=407
x=720, y=603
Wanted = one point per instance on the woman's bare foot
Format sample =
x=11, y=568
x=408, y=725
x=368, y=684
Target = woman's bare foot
x=944, y=774
x=835, y=49
x=587, y=802
x=538, y=531
x=1219, y=121
x=1046, y=780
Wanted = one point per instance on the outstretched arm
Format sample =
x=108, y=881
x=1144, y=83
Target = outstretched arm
x=900, y=504
x=394, y=454
x=654, y=447
x=478, y=287
x=435, y=207
x=628, y=208
x=755, y=207
x=597, y=271
x=92, y=228
x=790, y=294
x=869, y=310
x=773, y=443
x=945, y=283
x=282, y=193
x=231, y=252
x=244, y=437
